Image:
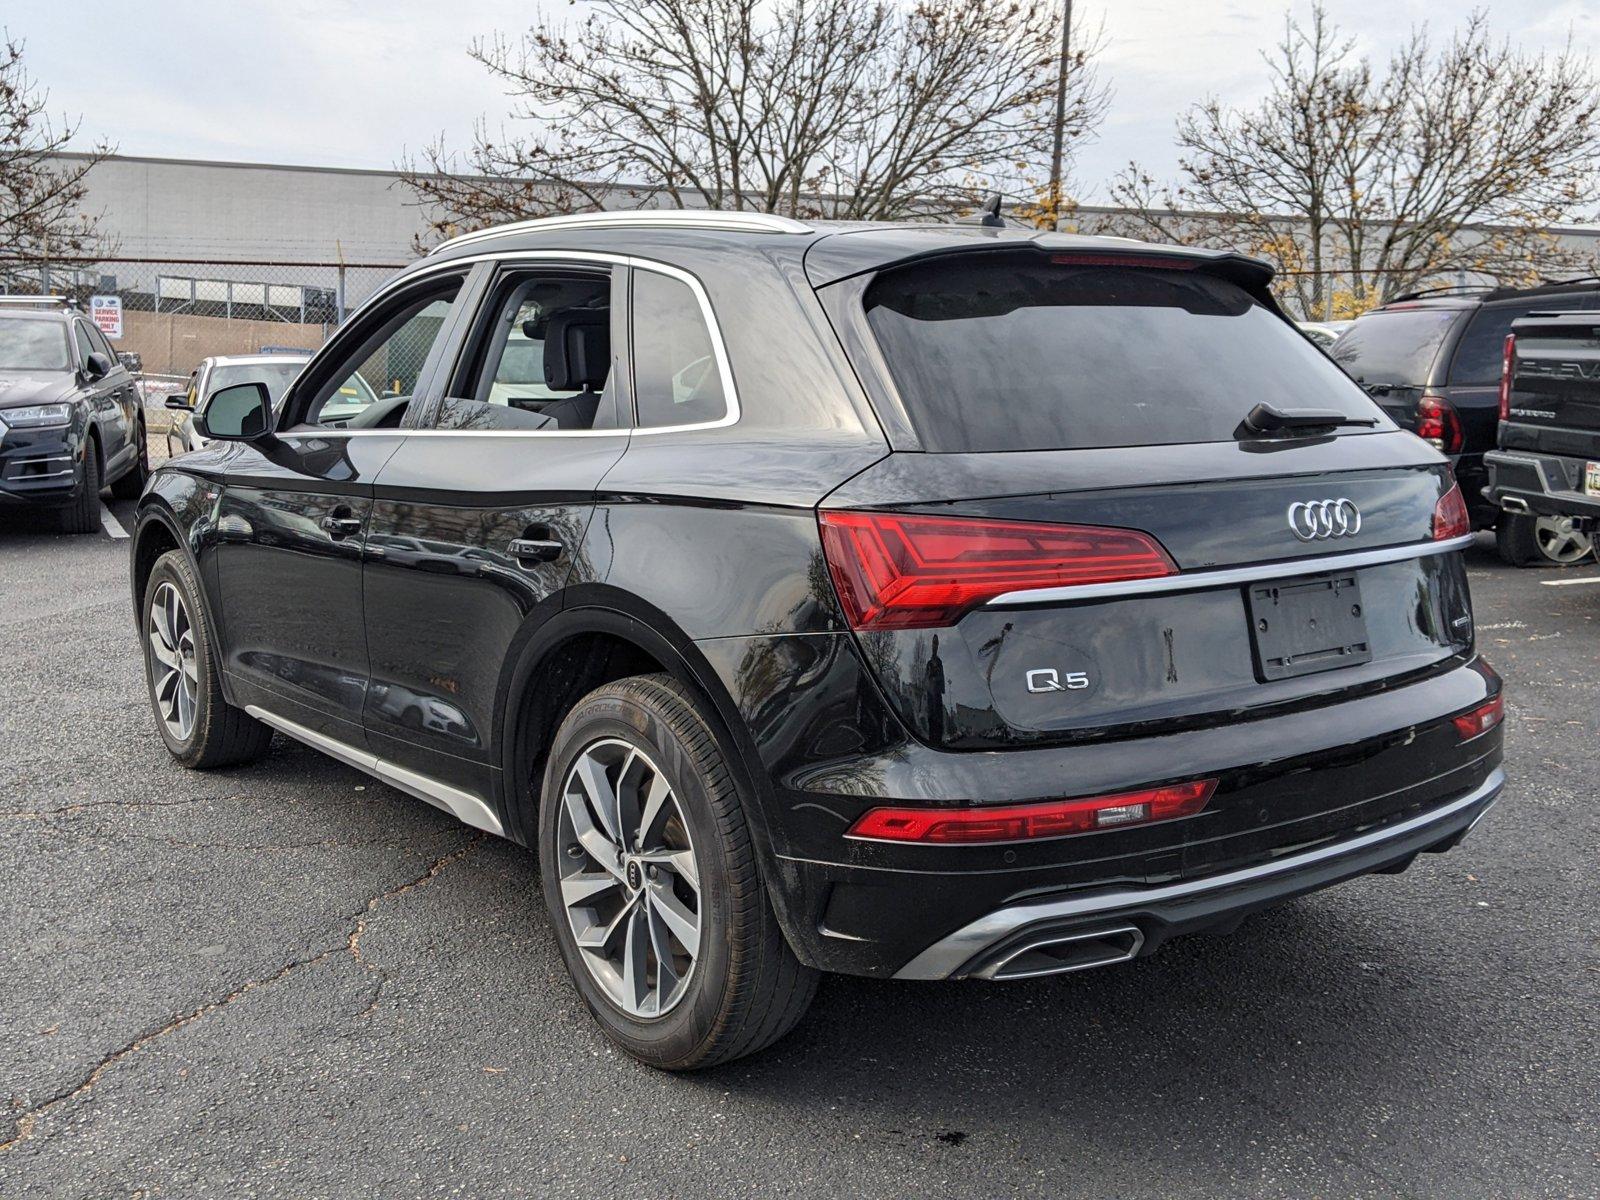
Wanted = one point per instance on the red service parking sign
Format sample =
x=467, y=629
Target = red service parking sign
x=107, y=313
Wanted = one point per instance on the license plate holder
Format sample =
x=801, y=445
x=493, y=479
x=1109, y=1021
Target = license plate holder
x=1591, y=479
x=1303, y=626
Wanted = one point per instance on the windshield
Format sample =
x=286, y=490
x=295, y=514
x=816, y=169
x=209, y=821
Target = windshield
x=1030, y=351
x=1396, y=347
x=277, y=376
x=34, y=346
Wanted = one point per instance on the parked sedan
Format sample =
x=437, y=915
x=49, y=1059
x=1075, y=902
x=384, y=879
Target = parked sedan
x=934, y=602
x=213, y=374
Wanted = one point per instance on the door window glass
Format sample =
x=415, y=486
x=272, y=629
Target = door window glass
x=85, y=346
x=1479, y=356
x=543, y=360
x=373, y=385
x=676, y=377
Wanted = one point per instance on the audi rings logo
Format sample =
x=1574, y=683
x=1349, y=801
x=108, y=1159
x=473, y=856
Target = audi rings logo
x=1316, y=520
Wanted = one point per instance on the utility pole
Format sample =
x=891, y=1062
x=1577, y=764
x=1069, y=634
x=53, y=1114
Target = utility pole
x=1061, y=115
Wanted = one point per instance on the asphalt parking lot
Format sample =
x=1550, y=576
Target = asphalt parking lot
x=290, y=980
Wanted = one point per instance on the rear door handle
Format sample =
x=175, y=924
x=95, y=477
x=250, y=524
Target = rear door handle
x=535, y=549
x=336, y=526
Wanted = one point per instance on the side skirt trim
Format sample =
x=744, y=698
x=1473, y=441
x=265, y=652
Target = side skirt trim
x=464, y=806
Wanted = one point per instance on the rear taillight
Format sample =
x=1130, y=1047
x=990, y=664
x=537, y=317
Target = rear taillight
x=1438, y=425
x=1481, y=719
x=1450, y=518
x=902, y=571
x=1508, y=369
x=1022, y=822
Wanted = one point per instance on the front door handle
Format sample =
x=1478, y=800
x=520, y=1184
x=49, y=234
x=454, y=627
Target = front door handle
x=336, y=526
x=535, y=549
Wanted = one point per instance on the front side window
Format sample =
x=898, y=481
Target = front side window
x=1025, y=350
x=372, y=386
x=541, y=357
x=85, y=346
x=29, y=345
x=677, y=379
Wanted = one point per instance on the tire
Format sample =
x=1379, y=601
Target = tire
x=83, y=515
x=1525, y=540
x=200, y=728
x=742, y=988
x=133, y=480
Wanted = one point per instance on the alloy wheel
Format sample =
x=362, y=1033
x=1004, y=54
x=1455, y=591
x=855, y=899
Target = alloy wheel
x=173, y=670
x=1559, y=542
x=630, y=884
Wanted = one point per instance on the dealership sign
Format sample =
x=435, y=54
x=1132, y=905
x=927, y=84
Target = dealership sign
x=107, y=313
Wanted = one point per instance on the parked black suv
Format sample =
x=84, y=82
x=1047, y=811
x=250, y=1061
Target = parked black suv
x=70, y=419
x=1548, y=463
x=928, y=602
x=1431, y=359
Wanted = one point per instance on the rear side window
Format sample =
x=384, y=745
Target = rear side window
x=1395, y=346
x=677, y=379
x=1029, y=351
x=1478, y=357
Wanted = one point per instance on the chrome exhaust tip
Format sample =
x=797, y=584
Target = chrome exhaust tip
x=1059, y=952
x=1515, y=504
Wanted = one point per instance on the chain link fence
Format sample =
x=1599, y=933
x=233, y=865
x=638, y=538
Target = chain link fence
x=176, y=313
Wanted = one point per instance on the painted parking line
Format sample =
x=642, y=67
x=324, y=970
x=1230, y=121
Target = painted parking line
x=110, y=524
x=1570, y=582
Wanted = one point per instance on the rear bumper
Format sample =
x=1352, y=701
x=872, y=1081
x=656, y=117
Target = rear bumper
x=1138, y=921
x=1547, y=484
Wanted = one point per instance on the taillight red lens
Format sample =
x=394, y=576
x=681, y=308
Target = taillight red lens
x=902, y=571
x=1450, y=518
x=1438, y=425
x=1508, y=371
x=1481, y=719
x=1022, y=822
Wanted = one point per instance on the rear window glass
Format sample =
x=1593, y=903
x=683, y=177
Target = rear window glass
x=1395, y=347
x=1029, y=351
x=1478, y=357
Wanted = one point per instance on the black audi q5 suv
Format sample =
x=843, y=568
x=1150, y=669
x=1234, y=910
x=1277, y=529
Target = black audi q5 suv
x=919, y=602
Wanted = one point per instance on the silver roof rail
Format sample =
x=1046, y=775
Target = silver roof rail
x=41, y=301
x=641, y=218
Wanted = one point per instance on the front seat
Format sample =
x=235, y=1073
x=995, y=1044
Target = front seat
x=577, y=354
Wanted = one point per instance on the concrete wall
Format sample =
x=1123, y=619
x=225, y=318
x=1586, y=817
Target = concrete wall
x=174, y=345
x=181, y=210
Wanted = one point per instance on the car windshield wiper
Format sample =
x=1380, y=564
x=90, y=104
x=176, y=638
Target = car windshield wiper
x=1265, y=418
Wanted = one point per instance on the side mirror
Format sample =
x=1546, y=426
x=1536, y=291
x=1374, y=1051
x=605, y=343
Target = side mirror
x=241, y=413
x=96, y=366
x=180, y=400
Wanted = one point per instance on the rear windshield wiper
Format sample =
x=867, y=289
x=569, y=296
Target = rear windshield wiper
x=1264, y=418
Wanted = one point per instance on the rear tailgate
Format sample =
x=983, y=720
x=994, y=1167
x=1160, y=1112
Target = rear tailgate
x=1229, y=634
x=1555, y=396
x=1090, y=535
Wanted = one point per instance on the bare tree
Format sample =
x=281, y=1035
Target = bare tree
x=41, y=197
x=1364, y=183
x=830, y=108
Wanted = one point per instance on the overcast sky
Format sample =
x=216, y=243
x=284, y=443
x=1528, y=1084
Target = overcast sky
x=347, y=83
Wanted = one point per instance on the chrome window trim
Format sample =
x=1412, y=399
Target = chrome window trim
x=1188, y=581
x=708, y=314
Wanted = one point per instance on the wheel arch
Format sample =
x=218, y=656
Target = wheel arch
x=602, y=634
